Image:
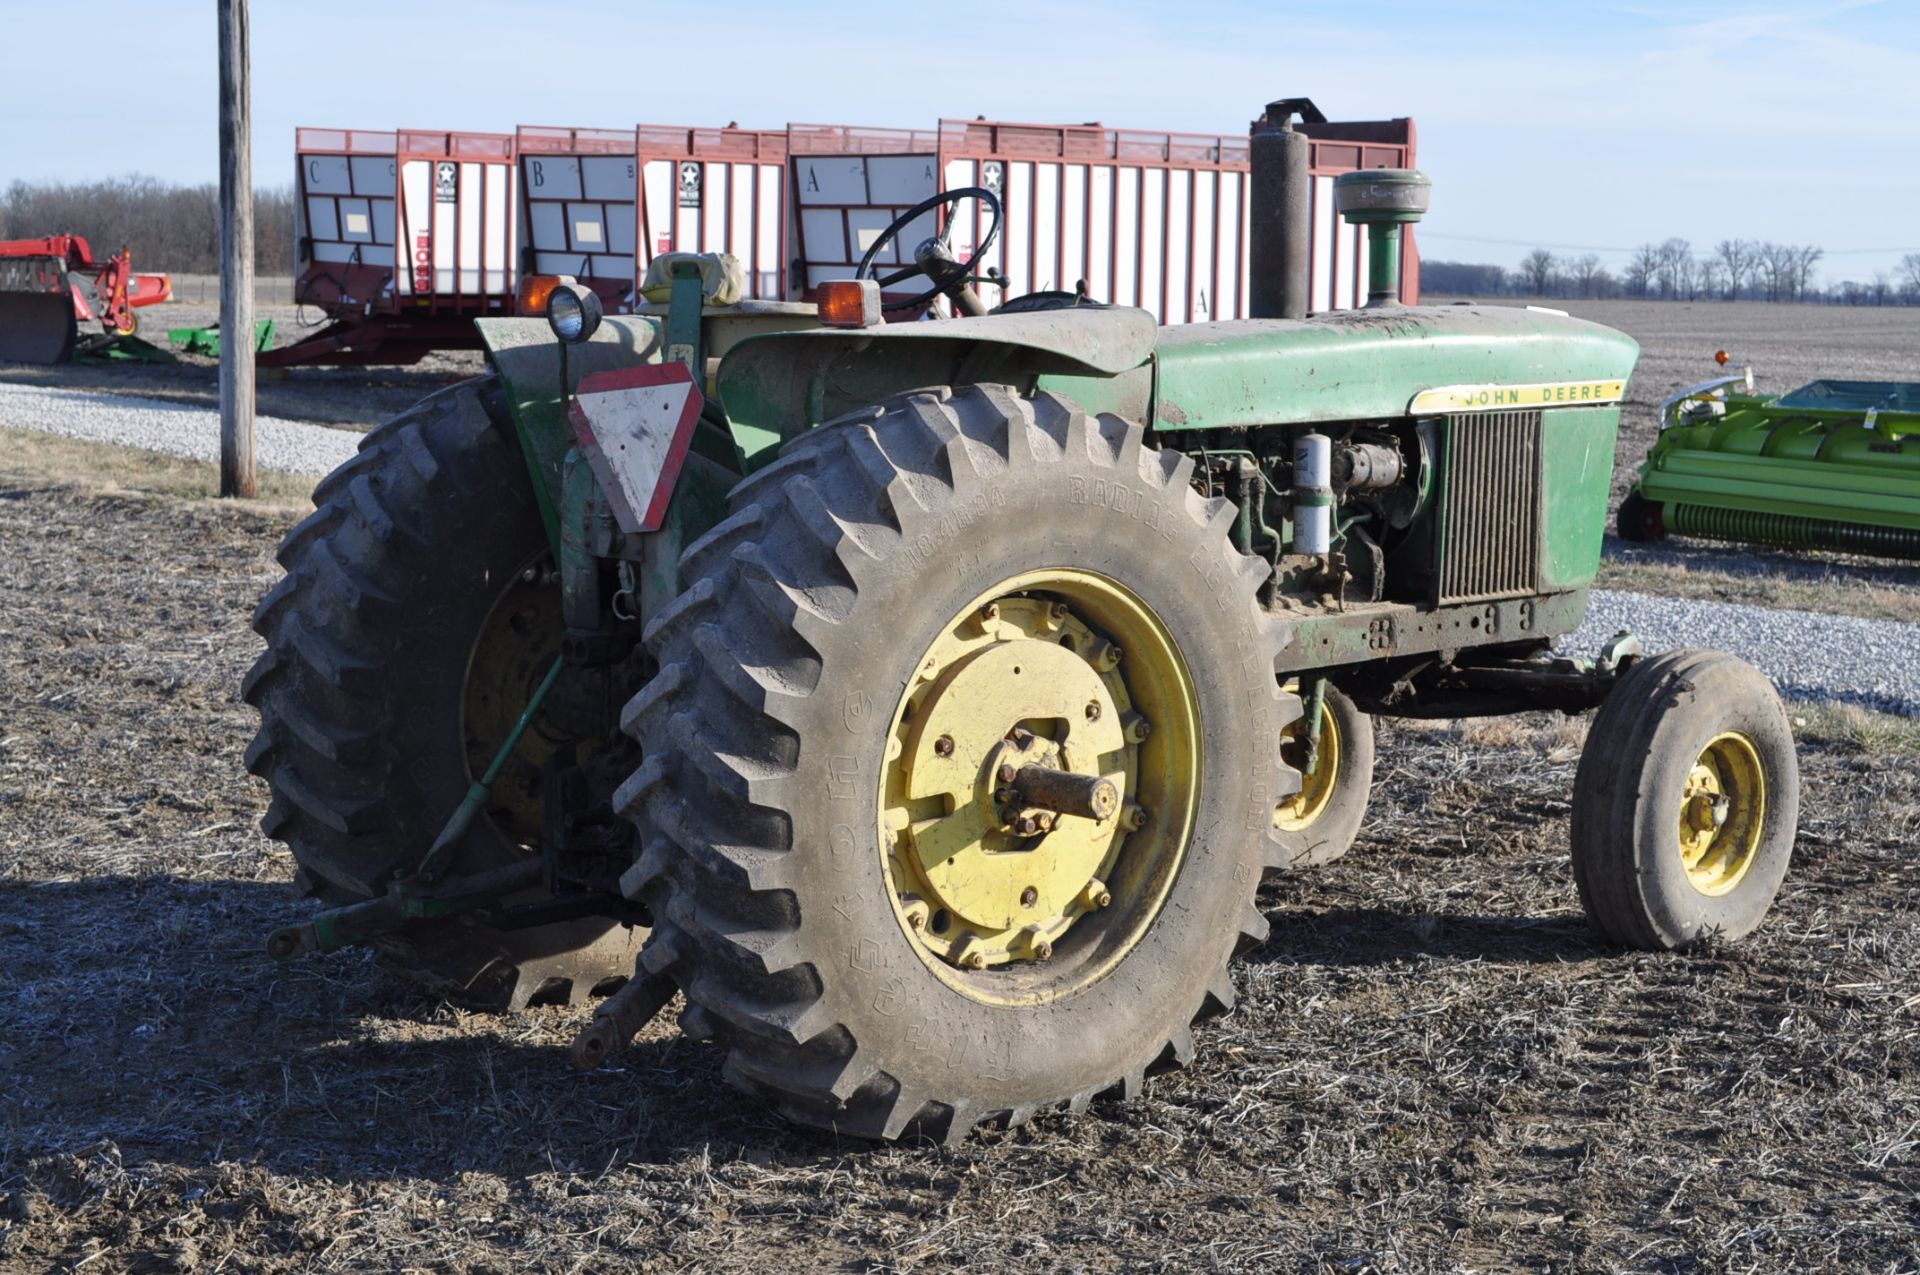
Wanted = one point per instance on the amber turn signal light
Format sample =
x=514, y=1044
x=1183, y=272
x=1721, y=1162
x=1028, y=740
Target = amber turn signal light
x=534, y=291
x=849, y=303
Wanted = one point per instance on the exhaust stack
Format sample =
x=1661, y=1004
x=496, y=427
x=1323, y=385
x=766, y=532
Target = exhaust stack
x=1280, y=213
x=1382, y=200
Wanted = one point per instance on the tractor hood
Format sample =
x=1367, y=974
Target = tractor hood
x=1372, y=364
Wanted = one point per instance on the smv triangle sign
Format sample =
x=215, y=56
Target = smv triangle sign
x=634, y=425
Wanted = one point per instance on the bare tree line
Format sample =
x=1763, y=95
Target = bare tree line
x=169, y=227
x=1734, y=269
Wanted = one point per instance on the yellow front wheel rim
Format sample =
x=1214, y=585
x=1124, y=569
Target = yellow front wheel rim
x=1302, y=810
x=1722, y=814
x=1008, y=895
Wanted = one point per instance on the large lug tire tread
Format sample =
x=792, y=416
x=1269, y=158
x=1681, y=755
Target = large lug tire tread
x=354, y=692
x=1331, y=835
x=1642, y=744
x=754, y=844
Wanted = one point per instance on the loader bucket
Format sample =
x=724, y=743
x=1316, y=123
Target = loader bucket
x=36, y=327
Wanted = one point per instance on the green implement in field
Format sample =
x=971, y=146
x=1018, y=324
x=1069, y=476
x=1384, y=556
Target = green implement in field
x=206, y=341
x=1833, y=465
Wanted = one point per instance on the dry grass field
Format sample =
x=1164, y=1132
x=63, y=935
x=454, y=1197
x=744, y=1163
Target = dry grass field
x=1432, y=1066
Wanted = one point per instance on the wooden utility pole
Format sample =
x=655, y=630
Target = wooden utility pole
x=236, y=254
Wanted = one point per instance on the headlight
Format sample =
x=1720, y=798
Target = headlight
x=573, y=312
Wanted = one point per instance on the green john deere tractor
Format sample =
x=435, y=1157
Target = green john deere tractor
x=926, y=701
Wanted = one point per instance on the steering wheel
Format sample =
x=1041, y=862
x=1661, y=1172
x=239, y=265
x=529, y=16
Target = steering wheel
x=933, y=257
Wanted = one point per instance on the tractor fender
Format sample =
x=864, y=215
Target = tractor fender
x=527, y=359
x=777, y=385
x=774, y=384
x=525, y=353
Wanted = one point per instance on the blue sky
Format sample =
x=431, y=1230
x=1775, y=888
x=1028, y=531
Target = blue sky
x=1589, y=125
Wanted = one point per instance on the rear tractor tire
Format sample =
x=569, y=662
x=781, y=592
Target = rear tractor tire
x=1318, y=824
x=417, y=614
x=959, y=767
x=1685, y=803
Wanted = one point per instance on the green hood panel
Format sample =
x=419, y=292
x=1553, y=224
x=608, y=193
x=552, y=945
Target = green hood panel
x=1369, y=365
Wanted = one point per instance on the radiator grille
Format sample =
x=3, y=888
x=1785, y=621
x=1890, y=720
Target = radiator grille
x=1491, y=542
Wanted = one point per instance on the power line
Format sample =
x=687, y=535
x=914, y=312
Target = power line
x=1590, y=247
x=1521, y=243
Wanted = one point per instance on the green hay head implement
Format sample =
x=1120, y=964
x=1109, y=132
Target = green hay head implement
x=1834, y=465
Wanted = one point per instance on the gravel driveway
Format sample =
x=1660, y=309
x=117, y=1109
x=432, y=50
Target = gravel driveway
x=1872, y=663
x=174, y=428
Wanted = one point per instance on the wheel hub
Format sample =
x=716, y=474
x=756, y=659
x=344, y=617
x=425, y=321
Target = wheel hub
x=1317, y=783
x=1722, y=809
x=1012, y=791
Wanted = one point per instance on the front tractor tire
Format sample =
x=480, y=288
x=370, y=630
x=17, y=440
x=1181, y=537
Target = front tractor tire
x=417, y=613
x=1685, y=802
x=1318, y=824
x=960, y=766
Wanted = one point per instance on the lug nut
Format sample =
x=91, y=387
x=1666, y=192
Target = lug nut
x=1096, y=894
x=991, y=611
x=1093, y=710
x=943, y=746
x=914, y=908
x=1007, y=795
x=1007, y=772
x=1038, y=943
x=1029, y=897
x=1137, y=727
x=1044, y=821
x=974, y=960
x=1137, y=816
x=1108, y=657
x=1025, y=826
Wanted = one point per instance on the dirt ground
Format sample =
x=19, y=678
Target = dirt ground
x=1432, y=1067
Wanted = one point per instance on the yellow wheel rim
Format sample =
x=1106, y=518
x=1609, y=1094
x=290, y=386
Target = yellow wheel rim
x=1722, y=814
x=1300, y=811
x=1006, y=893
